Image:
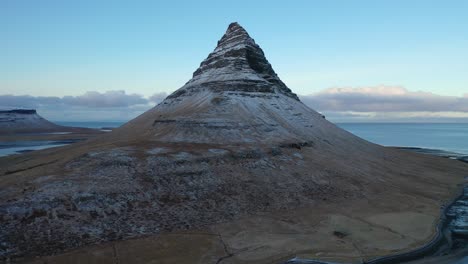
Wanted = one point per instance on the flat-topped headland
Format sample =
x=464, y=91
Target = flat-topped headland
x=24, y=130
x=28, y=121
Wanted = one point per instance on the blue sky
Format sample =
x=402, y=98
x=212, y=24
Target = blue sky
x=66, y=48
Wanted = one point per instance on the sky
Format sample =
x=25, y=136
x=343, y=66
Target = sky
x=352, y=60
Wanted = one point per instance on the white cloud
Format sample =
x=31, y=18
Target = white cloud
x=381, y=90
x=106, y=99
x=339, y=104
x=90, y=106
x=158, y=97
x=383, y=99
x=91, y=99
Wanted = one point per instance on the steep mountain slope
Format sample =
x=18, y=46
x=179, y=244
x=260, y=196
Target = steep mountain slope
x=235, y=97
x=230, y=168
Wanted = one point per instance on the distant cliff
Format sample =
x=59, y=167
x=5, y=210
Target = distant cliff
x=15, y=121
x=19, y=111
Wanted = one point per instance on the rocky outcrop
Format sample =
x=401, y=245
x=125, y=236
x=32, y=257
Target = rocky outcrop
x=237, y=64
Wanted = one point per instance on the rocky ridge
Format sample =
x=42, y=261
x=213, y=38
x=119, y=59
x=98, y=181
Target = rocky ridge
x=237, y=64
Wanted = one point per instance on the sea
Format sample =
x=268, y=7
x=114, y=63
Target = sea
x=93, y=124
x=449, y=137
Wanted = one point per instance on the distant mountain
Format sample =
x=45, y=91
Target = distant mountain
x=19, y=121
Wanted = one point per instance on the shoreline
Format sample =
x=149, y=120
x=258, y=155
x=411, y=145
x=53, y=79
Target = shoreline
x=432, y=247
x=27, y=142
x=444, y=234
x=437, y=152
x=7, y=149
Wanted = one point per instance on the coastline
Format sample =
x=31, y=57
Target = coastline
x=440, y=243
x=22, y=143
x=437, y=152
x=433, y=246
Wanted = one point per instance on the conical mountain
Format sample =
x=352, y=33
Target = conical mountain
x=235, y=96
x=230, y=168
x=237, y=64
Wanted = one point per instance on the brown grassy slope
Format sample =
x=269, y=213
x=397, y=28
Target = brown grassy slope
x=383, y=203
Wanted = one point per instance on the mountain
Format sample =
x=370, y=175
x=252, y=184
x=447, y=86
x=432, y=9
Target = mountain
x=24, y=120
x=235, y=96
x=20, y=121
x=230, y=168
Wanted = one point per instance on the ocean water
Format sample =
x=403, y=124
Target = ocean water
x=18, y=147
x=90, y=124
x=448, y=137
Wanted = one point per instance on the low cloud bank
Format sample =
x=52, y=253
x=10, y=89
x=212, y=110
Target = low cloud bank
x=343, y=104
x=89, y=99
x=90, y=106
x=384, y=99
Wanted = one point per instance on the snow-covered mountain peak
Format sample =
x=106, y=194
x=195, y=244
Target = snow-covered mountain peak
x=236, y=64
